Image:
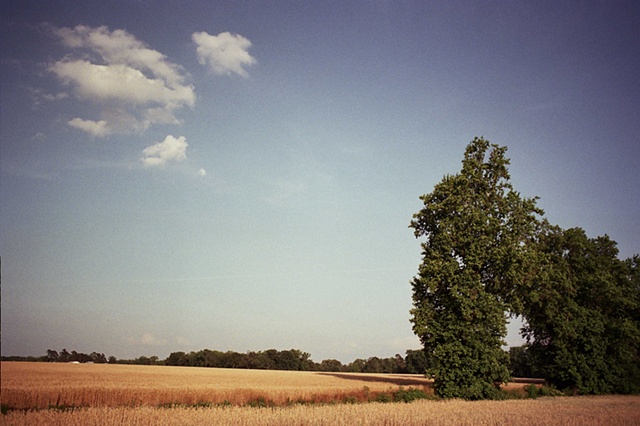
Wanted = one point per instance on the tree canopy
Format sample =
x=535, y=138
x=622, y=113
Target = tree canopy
x=478, y=231
x=583, y=315
x=489, y=253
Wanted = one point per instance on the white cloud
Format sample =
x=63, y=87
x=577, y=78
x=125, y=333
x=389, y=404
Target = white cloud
x=120, y=47
x=94, y=128
x=56, y=97
x=139, y=85
x=148, y=339
x=224, y=53
x=202, y=172
x=170, y=149
x=39, y=137
x=38, y=96
x=118, y=82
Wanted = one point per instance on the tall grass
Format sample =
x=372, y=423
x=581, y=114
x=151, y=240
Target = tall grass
x=72, y=394
x=43, y=385
x=568, y=411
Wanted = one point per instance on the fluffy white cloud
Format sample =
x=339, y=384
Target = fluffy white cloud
x=202, y=172
x=120, y=83
x=120, y=47
x=224, y=53
x=139, y=85
x=170, y=149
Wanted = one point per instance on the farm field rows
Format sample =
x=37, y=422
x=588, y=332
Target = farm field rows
x=155, y=395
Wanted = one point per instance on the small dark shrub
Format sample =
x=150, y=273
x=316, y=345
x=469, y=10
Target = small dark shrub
x=549, y=391
x=383, y=397
x=531, y=391
x=408, y=395
x=260, y=402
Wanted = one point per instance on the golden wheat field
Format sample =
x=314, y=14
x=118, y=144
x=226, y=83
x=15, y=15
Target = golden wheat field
x=151, y=395
x=40, y=385
x=568, y=411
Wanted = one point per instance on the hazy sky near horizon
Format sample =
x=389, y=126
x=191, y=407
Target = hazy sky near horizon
x=241, y=175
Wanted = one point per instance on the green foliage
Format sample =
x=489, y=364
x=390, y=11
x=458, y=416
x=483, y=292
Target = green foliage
x=63, y=356
x=400, y=395
x=417, y=362
x=270, y=359
x=18, y=358
x=521, y=363
x=408, y=395
x=383, y=397
x=475, y=259
x=549, y=391
x=582, y=315
x=533, y=391
x=350, y=400
x=330, y=365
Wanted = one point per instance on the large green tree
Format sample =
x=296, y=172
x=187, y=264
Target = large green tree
x=583, y=315
x=476, y=259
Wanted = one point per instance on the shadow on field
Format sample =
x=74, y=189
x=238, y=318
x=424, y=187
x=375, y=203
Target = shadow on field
x=400, y=380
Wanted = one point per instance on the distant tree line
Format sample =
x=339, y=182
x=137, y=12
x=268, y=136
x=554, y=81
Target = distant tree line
x=65, y=356
x=521, y=364
x=415, y=361
x=294, y=359
x=73, y=356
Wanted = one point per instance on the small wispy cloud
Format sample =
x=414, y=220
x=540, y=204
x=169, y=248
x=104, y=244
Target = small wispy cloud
x=180, y=340
x=94, y=128
x=170, y=149
x=150, y=339
x=147, y=339
x=39, y=137
x=38, y=96
x=113, y=68
x=224, y=53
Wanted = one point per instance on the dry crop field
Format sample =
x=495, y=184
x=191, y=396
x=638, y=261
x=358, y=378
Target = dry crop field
x=568, y=411
x=120, y=394
x=41, y=385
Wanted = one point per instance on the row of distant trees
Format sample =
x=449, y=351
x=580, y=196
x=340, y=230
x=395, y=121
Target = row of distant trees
x=73, y=356
x=414, y=362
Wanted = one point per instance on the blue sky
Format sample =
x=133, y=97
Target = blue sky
x=241, y=175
